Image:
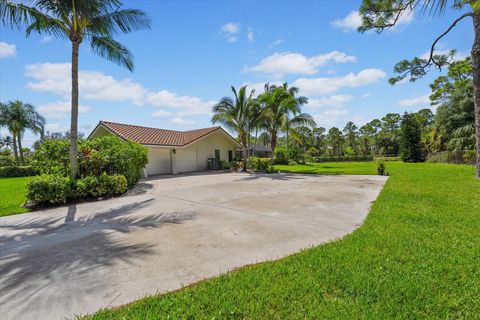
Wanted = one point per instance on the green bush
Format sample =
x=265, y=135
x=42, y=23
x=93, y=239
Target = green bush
x=280, y=155
x=6, y=161
x=270, y=169
x=49, y=189
x=292, y=163
x=54, y=189
x=108, y=154
x=17, y=171
x=344, y=158
x=260, y=164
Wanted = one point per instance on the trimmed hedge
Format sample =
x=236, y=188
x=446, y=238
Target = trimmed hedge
x=55, y=189
x=17, y=171
x=344, y=159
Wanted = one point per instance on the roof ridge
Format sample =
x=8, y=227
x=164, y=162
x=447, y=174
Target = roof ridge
x=138, y=126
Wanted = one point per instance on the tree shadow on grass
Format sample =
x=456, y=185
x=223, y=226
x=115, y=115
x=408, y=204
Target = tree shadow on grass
x=44, y=254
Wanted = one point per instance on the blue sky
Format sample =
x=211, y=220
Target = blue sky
x=197, y=49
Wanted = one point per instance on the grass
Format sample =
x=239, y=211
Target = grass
x=417, y=256
x=331, y=168
x=12, y=195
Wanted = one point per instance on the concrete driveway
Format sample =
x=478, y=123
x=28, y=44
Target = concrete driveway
x=167, y=233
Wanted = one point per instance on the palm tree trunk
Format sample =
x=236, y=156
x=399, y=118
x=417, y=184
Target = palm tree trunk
x=15, y=150
x=244, y=152
x=273, y=140
x=74, y=116
x=476, y=85
x=20, y=147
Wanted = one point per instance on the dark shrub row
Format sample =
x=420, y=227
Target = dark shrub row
x=55, y=189
x=343, y=158
x=17, y=171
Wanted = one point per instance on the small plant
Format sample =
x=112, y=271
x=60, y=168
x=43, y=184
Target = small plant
x=380, y=167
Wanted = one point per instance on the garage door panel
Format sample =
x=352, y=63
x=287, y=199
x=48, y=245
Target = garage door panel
x=158, y=161
x=186, y=161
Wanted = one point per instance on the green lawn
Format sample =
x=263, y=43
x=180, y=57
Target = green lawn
x=417, y=256
x=12, y=195
x=332, y=168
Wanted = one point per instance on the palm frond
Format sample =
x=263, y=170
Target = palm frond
x=18, y=15
x=113, y=51
x=119, y=21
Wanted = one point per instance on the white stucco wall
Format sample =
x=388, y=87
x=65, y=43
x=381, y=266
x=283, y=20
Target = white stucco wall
x=205, y=148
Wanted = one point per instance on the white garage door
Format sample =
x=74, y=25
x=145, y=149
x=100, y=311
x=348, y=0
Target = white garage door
x=158, y=161
x=186, y=161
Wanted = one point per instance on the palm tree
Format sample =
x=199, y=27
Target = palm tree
x=17, y=117
x=95, y=21
x=281, y=103
x=235, y=114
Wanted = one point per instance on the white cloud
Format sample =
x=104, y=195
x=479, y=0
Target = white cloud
x=250, y=36
x=187, y=104
x=230, y=31
x=161, y=114
x=46, y=39
x=321, y=86
x=7, y=50
x=59, y=109
x=55, y=78
x=275, y=43
x=332, y=101
x=353, y=20
x=181, y=121
x=420, y=101
x=297, y=63
x=350, y=23
x=330, y=118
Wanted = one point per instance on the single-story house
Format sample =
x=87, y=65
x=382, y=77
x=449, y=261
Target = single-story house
x=172, y=152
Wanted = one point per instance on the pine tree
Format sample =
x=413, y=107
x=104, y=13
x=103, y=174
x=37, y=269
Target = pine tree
x=411, y=147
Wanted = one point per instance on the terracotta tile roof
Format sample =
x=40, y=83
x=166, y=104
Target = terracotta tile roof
x=155, y=136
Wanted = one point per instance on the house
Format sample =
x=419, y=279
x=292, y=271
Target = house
x=171, y=151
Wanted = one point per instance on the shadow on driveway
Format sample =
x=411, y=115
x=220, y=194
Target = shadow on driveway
x=46, y=253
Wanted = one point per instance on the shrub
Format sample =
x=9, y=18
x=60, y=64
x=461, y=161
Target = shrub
x=380, y=168
x=54, y=189
x=6, y=161
x=107, y=154
x=280, y=155
x=260, y=164
x=292, y=163
x=344, y=158
x=49, y=189
x=270, y=169
x=51, y=157
x=17, y=171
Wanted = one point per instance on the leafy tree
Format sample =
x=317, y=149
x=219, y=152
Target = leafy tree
x=94, y=21
x=351, y=134
x=455, y=118
x=319, y=139
x=390, y=133
x=17, y=117
x=381, y=14
x=411, y=148
x=336, y=141
x=234, y=114
x=367, y=134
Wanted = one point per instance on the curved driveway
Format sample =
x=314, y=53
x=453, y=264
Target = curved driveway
x=168, y=232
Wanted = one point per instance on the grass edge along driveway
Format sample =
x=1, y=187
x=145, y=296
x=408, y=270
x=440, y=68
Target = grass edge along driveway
x=416, y=256
x=12, y=195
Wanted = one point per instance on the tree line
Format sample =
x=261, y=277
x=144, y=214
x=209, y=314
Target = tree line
x=274, y=118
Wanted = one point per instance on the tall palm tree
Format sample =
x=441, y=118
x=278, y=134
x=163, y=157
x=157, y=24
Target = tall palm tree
x=235, y=115
x=17, y=117
x=281, y=103
x=94, y=21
